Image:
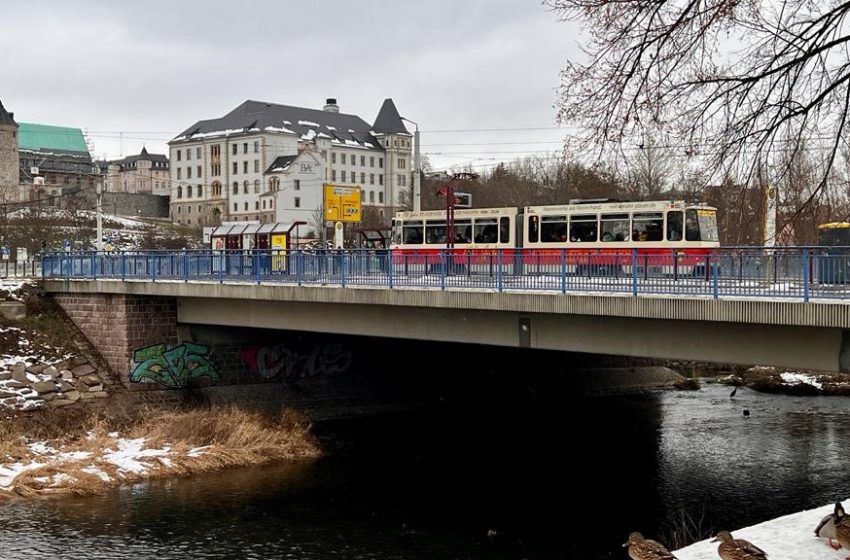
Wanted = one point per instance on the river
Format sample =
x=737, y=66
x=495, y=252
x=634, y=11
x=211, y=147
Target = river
x=553, y=478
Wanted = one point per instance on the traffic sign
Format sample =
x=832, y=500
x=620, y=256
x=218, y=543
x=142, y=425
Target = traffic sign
x=342, y=204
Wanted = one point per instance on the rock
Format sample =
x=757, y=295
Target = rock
x=51, y=371
x=36, y=368
x=19, y=372
x=13, y=310
x=44, y=387
x=49, y=396
x=7, y=394
x=10, y=401
x=60, y=402
x=64, y=386
x=100, y=394
x=83, y=371
x=5, y=376
x=86, y=396
x=78, y=361
x=72, y=395
x=66, y=375
x=15, y=384
x=96, y=388
x=90, y=380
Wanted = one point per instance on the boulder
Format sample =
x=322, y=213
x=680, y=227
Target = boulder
x=64, y=386
x=51, y=371
x=79, y=361
x=35, y=369
x=83, y=370
x=100, y=394
x=15, y=384
x=72, y=395
x=5, y=376
x=86, y=396
x=44, y=387
x=60, y=402
x=13, y=310
x=96, y=388
x=48, y=396
x=66, y=375
x=19, y=372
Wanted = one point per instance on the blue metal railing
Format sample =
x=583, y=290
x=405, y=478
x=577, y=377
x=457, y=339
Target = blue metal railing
x=804, y=273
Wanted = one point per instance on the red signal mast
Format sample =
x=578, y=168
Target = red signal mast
x=448, y=191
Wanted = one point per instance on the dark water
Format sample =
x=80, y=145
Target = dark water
x=552, y=479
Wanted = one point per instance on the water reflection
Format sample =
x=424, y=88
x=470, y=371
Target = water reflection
x=556, y=478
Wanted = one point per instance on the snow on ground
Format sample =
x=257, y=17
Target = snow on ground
x=13, y=285
x=795, y=378
x=128, y=457
x=786, y=538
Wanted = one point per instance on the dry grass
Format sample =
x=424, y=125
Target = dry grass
x=230, y=437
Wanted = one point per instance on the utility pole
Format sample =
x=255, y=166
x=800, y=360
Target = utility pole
x=448, y=191
x=99, y=191
x=417, y=169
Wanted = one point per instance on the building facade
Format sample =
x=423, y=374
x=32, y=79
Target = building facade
x=54, y=161
x=140, y=174
x=224, y=169
x=9, y=159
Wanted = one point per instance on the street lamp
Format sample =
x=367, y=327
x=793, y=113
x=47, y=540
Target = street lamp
x=417, y=171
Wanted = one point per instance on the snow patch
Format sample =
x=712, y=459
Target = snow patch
x=796, y=378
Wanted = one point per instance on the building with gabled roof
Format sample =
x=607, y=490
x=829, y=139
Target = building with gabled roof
x=144, y=173
x=220, y=168
x=9, y=160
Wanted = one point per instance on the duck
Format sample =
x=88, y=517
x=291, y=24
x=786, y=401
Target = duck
x=826, y=527
x=842, y=526
x=647, y=549
x=731, y=548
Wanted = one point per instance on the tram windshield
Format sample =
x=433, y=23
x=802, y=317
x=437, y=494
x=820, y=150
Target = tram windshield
x=701, y=225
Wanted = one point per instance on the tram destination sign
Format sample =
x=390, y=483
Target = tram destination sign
x=341, y=204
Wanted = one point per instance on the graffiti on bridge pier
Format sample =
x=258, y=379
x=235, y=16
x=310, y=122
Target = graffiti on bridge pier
x=175, y=367
x=293, y=366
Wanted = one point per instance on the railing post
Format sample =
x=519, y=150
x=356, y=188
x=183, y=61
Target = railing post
x=93, y=265
x=153, y=267
x=806, y=275
x=563, y=271
x=714, y=292
x=342, y=266
x=256, y=264
x=389, y=266
x=499, y=271
x=299, y=265
x=634, y=272
x=222, y=262
x=443, y=266
x=185, y=265
x=123, y=266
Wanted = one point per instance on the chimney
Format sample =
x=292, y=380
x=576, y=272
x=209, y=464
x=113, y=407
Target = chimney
x=331, y=106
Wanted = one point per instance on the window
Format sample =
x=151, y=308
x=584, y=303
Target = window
x=245, y=166
x=246, y=204
x=325, y=155
x=274, y=184
x=264, y=204
x=256, y=186
x=245, y=150
x=342, y=158
x=189, y=208
x=371, y=178
x=179, y=157
x=380, y=162
x=215, y=151
x=533, y=229
x=199, y=208
x=381, y=179
x=256, y=147
x=188, y=154
x=402, y=163
x=235, y=187
x=256, y=166
x=200, y=171
x=381, y=197
x=298, y=202
x=363, y=161
x=412, y=232
x=371, y=161
x=435, y=232
x=271, y=203
x=362, y=196
x=216, y=188
x=200, y=191
x=362, y=178
x=463, y=231
x=235, y=149
x=647, y=226
x=216, y=169
x=235, y=168
x=297, y=184
x=198, y=153
x=188, y=172
x=179, y=192
x=333, y=157
x=402, y=180
x=245, y=187
x=485, y=230
x=343, y=175
x=505, y=229
x=333, y=174
x=235, y=207
x=256, y=205
x=179, y=210
x=179, y=173
x=553, y=229
x=371, y=197
x=188, y=191
x=583, y=228
x=615, y=227
x=674, y=226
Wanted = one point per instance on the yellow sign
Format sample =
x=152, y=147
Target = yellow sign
x=278, y=247
x=342, y=204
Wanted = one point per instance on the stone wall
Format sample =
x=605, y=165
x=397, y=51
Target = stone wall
x=117, y=325
x=135, y=204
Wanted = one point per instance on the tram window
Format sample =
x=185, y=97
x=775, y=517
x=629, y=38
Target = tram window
x=674, y=226
x=397, y=231
x=615, y=227
x=533, y=229
x=505, y=229
x=413, y=233
x=435, y=233
x=647, y=226
x=463, y=232
x=691, y=226
x=486, y=230
x=553, y=229
x=583, y=228
x=707, y=220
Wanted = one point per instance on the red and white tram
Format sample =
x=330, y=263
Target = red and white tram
x=587, y=233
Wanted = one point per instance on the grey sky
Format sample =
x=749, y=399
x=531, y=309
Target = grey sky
x=153, y=68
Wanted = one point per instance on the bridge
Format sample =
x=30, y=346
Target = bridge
x=783, y=308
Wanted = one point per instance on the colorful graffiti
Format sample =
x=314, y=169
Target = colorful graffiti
x=292, y=366
x=174, y=367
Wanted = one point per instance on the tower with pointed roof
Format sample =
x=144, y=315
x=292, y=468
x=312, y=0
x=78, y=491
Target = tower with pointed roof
x=390, y=131
x=9, y=158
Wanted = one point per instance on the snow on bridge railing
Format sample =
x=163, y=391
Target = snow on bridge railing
x=804, y=273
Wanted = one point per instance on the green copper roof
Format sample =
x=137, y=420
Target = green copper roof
x=45, y=138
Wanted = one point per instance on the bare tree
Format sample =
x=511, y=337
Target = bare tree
x=676, y=66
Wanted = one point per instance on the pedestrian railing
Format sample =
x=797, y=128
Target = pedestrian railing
x=803, y=273
x=20, y=269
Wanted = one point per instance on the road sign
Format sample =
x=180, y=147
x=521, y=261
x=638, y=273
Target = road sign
x=342, y=204
x=22, y=254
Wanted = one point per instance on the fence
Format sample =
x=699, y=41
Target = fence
x=804, y=273
x=23, y=269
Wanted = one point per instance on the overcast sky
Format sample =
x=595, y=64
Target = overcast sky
x=151, y=69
